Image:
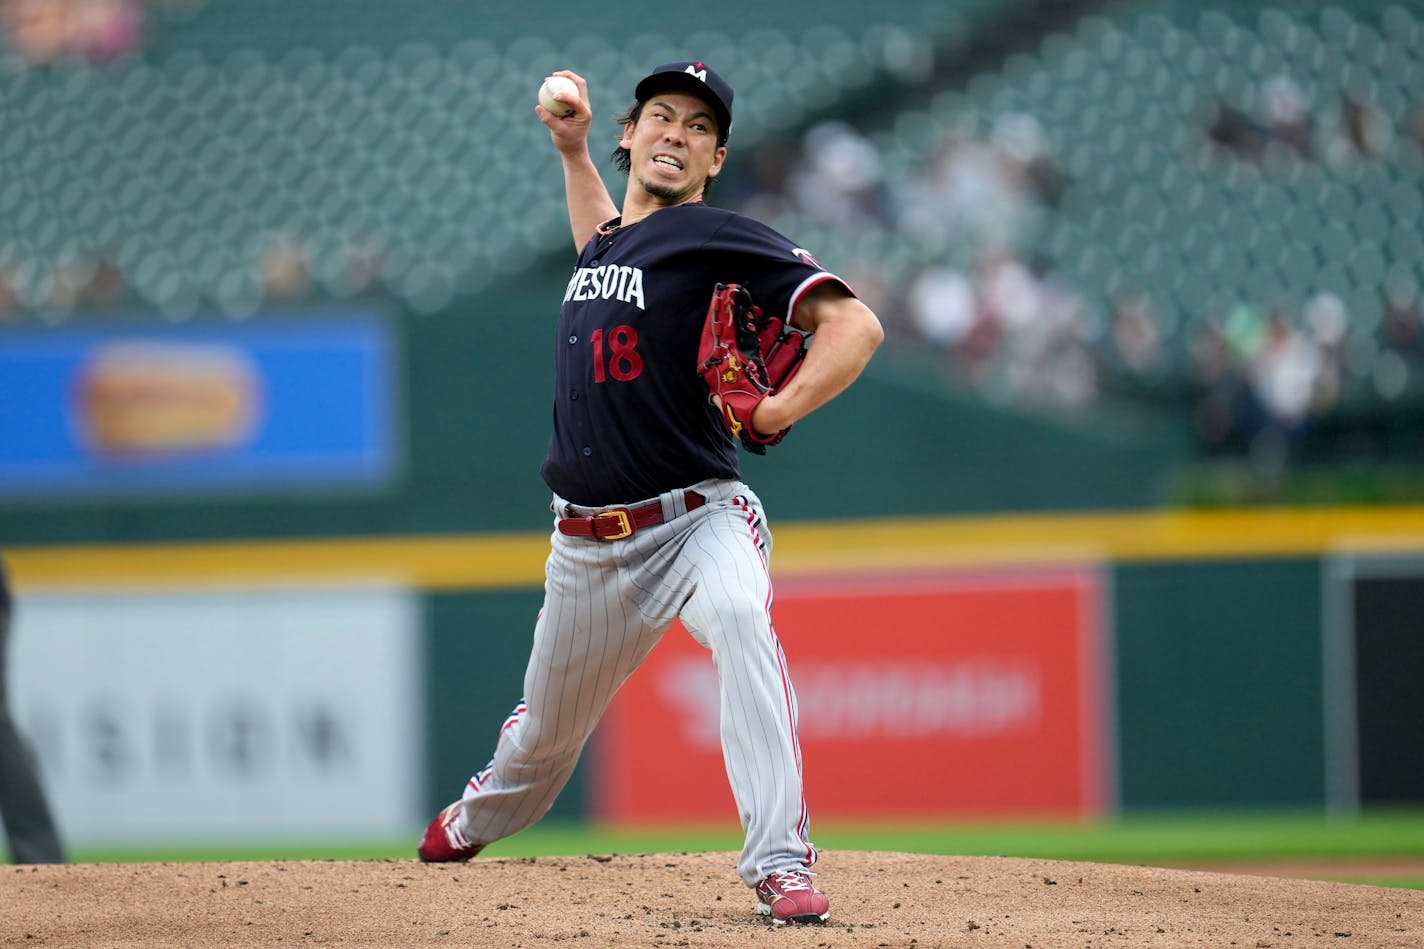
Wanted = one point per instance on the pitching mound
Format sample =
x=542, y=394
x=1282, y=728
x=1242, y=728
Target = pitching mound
x=877, y=900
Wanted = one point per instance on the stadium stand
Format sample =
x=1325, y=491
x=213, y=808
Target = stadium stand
x=1210, y=204
x=257, y=150
x=1215, y=203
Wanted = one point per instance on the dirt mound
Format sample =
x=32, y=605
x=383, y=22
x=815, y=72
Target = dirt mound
x=695, y=900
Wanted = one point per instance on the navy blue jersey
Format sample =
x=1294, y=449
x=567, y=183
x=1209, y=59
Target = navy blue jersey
x=631, y=412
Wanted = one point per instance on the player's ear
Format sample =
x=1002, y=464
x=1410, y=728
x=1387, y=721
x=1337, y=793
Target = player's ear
x=627, y=140
x=718, y=158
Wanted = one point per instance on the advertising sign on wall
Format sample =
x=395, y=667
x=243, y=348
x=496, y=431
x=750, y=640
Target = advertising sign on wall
x=961, y=695
x=257, y=716
x=122, y=410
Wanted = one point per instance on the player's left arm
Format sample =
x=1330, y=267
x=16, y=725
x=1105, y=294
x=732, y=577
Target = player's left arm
x=846, y=332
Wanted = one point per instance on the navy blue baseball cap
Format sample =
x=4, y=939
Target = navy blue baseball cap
x=695, y=78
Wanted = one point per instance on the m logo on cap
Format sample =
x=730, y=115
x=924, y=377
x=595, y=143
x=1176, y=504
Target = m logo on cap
x=701, y=81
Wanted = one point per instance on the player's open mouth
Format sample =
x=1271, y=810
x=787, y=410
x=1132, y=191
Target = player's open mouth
x=668, y=162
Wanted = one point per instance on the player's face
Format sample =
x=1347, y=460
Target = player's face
x=674, y=147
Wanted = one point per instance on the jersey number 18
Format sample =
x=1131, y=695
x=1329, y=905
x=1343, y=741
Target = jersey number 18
x=624, y=361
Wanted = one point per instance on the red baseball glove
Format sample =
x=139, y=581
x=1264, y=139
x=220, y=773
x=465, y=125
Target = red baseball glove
x=744, y=357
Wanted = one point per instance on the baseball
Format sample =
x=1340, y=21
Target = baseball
x=557, y=84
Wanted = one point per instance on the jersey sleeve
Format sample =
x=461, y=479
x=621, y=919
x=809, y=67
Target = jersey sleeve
x=776, y=271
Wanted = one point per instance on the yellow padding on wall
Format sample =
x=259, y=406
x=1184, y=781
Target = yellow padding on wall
x=488, y=561
x=514, y=561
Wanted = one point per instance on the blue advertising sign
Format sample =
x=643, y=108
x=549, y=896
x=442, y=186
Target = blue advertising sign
x=279, y=403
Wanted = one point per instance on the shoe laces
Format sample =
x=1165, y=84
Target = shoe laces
x=788, y=880
x=453, y=833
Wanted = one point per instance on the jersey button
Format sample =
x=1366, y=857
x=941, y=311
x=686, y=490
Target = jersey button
x=573, y=395
x=572, y=340
x=587, y=451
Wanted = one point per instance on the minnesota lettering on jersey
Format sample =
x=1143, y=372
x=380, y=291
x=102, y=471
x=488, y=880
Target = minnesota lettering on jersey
x=592, y=283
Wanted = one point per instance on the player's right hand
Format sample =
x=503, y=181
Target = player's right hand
x=569, y=133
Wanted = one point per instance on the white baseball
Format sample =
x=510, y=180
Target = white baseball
x=557, y=84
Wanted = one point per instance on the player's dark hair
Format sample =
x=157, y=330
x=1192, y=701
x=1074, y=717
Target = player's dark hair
x=623, y=159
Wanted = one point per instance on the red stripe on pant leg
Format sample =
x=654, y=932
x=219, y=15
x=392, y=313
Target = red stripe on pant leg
x=805, y=816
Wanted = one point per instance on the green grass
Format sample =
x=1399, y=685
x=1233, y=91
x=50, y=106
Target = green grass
x=1166, y=838
x=1159, y=840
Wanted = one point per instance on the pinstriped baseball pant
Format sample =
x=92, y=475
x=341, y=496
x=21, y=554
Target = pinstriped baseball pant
x=606, y=605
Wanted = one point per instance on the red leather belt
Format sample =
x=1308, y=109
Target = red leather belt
x=617, y=523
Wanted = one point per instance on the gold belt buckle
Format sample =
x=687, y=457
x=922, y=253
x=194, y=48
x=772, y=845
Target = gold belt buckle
x=625, y=523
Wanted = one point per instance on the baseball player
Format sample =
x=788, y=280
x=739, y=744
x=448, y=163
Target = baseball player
x=28, y=823
x=652, y=520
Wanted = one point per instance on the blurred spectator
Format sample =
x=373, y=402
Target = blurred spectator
x=1009, y=292
x=1287, y=127
x=1068, y=375
x=1329, y=325
x=1245, y=329
x=1136, y=337
x=1013, y=327
x=1363, y=130
x=106, y=287
x=98, y=31
x=1400, y=330
x=75, y=283
x=1018, y=140
x=1288, y=117
x=1234, y=130
x=839, y=182
x=1010, y=326
x=364, y=267
x=979, y=191
x=66, y=282
x=286, y=274
x=9, y=293
x=1283, y=372
x=943, y=307
x=1261, y=379
x=761, y=187
x=1220, y=389
x=1414, y=127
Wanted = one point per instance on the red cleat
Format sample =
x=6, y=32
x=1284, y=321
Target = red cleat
x=790, y=897
x=444, y=841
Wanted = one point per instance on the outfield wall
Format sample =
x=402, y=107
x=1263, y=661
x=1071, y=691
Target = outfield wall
x=1058, y=665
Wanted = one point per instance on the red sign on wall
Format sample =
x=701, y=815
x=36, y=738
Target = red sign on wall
x=951, y=696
